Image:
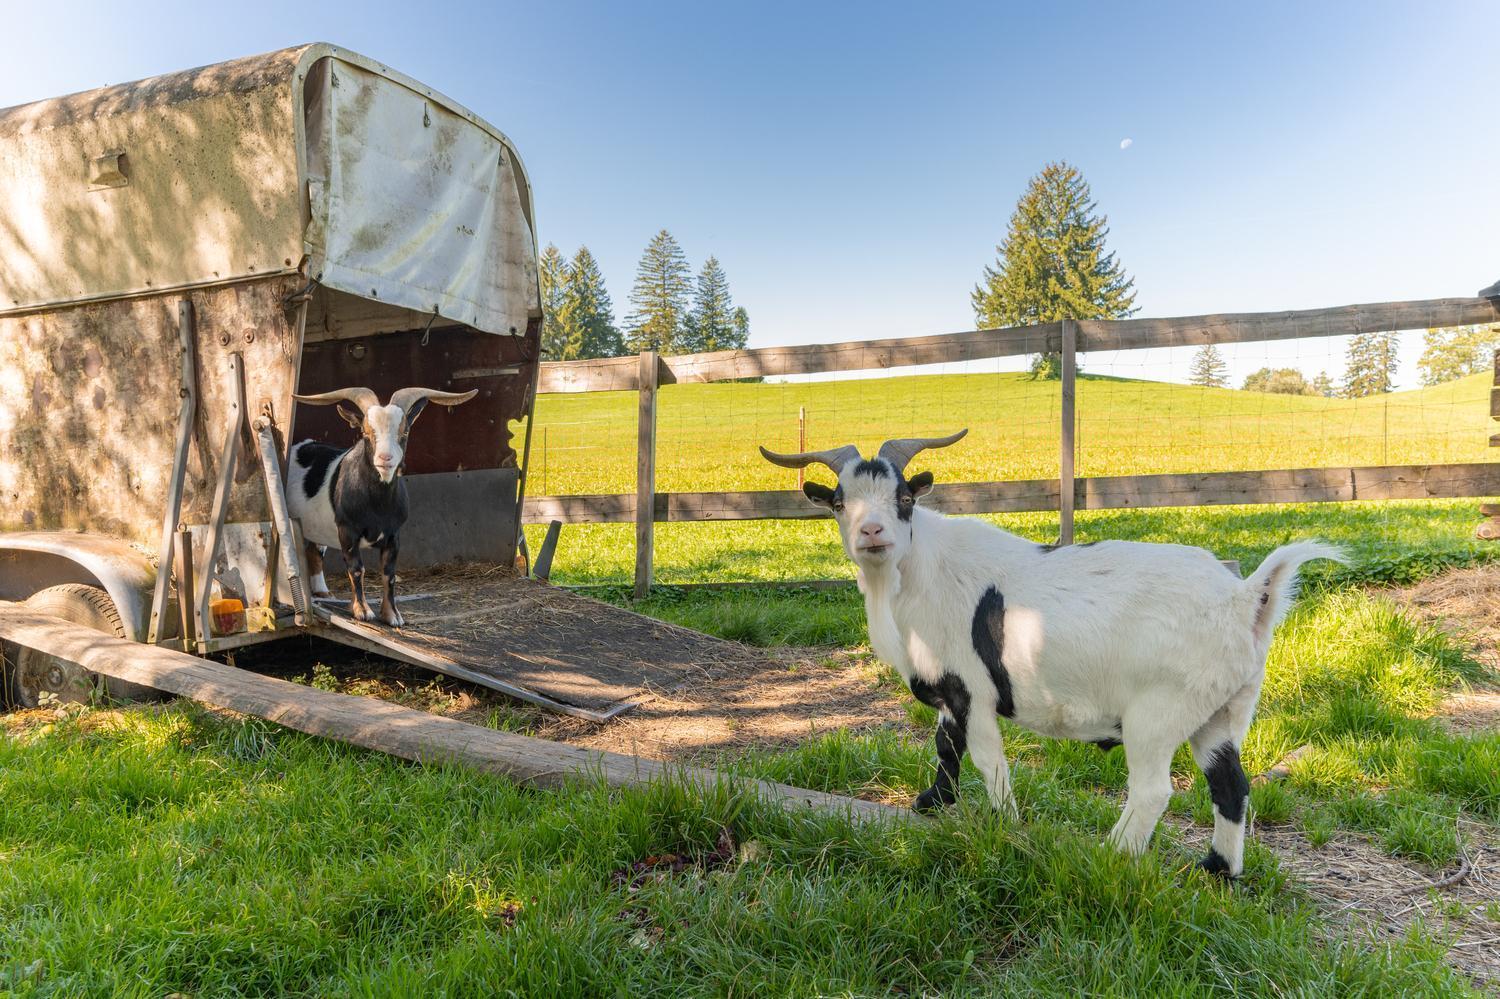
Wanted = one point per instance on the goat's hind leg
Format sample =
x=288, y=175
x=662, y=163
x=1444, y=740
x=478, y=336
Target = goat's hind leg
x=1152, y=730
x=1216, y=749
x=951, y=742
x=316, y=583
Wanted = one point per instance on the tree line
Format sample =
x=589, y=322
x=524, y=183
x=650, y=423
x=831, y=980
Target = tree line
x=669, y=312
x=1370, y=364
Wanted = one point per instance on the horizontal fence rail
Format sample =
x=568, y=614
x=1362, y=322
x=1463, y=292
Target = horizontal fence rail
x=623, y=373
x=645, y=373
x=1113, y=492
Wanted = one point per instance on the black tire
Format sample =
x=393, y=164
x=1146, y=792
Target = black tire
x=82, y=604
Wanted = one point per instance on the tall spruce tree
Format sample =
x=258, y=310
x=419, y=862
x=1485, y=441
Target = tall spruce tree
x=1053, y=264
x=1209, y=369
x=587, y=316
x=659, y=299
x=710, y=326
x=1370, y=364
x=553, y=272
x=1323, y=385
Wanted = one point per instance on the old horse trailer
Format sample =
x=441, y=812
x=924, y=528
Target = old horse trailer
x=178, y=256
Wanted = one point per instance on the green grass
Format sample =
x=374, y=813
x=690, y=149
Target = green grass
x=706, y=434
x=175, y=851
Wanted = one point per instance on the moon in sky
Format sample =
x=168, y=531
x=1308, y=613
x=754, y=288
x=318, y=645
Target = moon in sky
x=1126, y=143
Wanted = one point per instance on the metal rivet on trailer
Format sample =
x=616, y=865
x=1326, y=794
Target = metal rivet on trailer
x=357, y=351
x=223, y=339
x=249, y=336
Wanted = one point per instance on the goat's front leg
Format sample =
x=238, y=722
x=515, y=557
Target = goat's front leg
x=349, y=543
x=951, y=742
x=987, y=750
x=389, y=612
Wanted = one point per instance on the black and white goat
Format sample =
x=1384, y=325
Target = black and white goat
x=1112, y=642
x=353, y=496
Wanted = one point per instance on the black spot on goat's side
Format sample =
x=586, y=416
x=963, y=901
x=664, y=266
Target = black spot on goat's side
x=1046, y=549
x=1227, y=784
x=988, y=635
x=316, y=458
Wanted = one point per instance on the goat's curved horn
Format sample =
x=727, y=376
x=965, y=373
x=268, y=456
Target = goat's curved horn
x=835, y=458
x=903, y=449
x=362, y=397
x=405, y=397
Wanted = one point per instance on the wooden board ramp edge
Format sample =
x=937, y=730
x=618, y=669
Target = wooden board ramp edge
x=390, y=728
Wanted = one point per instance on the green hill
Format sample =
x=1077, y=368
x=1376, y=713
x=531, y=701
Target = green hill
x=585, y=443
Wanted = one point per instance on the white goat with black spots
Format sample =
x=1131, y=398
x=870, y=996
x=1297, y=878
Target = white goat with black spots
x=1112, y=642
x=357, y=495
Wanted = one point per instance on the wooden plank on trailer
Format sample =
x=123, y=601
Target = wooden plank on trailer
x=645, y=471
x=380, y=725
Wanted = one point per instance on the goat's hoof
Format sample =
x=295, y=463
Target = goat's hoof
x=931, y=800
x=393, y=619
x=362, y=613
x=1216, y=865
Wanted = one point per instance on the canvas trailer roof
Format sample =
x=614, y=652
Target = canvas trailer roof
x=403, y=205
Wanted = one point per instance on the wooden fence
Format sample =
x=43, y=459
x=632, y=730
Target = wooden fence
x=1065, y=494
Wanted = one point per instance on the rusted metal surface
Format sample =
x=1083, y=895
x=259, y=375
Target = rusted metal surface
x=89, y=400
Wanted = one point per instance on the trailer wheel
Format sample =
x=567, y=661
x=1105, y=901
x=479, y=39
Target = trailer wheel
x=37, y=678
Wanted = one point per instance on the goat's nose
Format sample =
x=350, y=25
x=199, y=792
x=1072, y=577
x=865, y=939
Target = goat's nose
x=872, y=530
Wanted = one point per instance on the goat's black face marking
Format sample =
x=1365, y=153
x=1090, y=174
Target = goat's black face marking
x=316, y=458
x=1227, y=783
x=988, y=636
x=875, y=468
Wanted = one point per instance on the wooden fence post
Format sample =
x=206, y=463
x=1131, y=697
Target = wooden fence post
x=645, y=472
x=1066, y=477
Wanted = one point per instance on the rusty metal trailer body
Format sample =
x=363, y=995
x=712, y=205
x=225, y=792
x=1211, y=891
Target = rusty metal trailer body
x=178, y=256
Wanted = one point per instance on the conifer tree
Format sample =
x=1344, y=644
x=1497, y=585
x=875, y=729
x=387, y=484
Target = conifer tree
x=710, y=326
x=553, y=272
x=1053, y=264
x=1323, y=385
x=1209, y=369
x=587, y=315
x=659, y=299
x=1370, y=365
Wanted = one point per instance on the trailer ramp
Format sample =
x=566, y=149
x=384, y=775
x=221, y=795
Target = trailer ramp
x=539, y=643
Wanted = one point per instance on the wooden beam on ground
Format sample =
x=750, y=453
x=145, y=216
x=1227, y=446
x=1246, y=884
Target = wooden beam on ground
x=622, y=373
x=1116, y=492
x=380, y=725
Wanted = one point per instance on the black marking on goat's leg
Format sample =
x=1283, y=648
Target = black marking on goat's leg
x=389, y=613
x=951, y=697
x=349, y=544
x=952, y=740
x=988, y=636
x=1230, y=790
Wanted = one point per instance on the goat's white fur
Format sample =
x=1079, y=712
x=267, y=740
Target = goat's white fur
x=1160, y=640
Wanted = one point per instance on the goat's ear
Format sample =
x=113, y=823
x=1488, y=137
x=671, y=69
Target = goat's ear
x=352, y=418
x=820, y=494
x=413, y=412
x=920, y=484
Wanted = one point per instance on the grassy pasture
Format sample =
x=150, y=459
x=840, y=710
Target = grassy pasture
x=172, y=850
x=706, y=434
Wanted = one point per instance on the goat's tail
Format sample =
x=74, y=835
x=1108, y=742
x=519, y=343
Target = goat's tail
x=1273, y=585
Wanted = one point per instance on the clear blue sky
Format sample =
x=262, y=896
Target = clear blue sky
x=853, y=166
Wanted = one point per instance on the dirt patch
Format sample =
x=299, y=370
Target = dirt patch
x=1465, y=603
x=1367, y=895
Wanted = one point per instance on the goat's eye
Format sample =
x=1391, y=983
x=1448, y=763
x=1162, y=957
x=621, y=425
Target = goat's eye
x=838, y=508
x=906, y=501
